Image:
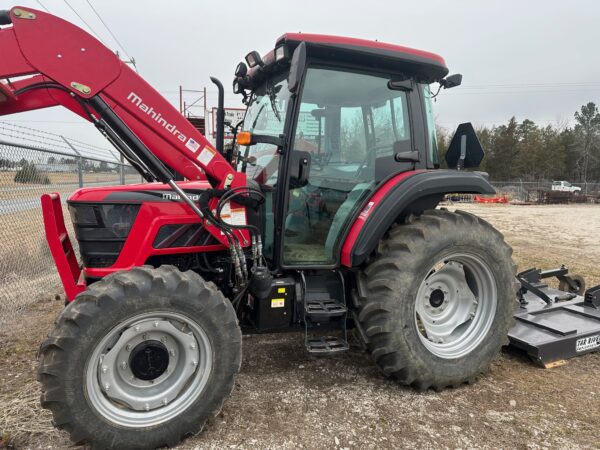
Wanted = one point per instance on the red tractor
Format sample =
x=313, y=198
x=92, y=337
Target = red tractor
x=338, y=232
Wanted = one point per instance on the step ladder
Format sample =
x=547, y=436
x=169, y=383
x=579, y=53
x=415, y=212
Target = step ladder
x=320, y=311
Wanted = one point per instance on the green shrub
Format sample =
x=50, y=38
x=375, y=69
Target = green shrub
x=28, y=173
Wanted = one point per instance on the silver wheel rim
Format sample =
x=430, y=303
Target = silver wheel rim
x=127, y=400
x=456, y=305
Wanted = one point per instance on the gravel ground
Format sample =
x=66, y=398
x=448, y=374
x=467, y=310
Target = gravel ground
x=285, y=399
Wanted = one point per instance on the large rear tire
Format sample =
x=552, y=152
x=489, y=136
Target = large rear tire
x=436, y=302
x=141, y=359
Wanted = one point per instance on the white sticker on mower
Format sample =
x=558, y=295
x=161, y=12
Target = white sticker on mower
x=587, y=343
x=192, y=145
x=235, y=216
x=206, y=156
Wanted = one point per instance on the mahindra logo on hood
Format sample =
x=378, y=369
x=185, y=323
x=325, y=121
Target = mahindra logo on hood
x=156, y=116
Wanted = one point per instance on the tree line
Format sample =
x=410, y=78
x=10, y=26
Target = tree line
x=86, y=164
x=531, y=152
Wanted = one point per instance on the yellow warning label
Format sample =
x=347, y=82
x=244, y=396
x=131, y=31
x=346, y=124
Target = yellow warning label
x=281, y=290
x=277, y=302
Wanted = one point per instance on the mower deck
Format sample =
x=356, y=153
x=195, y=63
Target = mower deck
x=552, y=332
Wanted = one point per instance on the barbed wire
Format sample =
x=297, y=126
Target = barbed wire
x=46, y=140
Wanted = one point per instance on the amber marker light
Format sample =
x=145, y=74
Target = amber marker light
x=244, y=138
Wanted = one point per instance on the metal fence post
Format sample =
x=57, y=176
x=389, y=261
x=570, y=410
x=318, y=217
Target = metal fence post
x=79, y=161
x=122, y=170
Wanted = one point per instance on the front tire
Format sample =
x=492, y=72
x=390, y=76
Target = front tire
x=435, y=304
x=141, y=359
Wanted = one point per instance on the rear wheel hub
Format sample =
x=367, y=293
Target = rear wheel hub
x=149, y=360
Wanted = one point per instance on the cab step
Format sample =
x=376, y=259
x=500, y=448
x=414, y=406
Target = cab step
x=323, y=310
x=326, y=346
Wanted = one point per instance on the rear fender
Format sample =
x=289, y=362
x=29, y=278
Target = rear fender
x=409, y=192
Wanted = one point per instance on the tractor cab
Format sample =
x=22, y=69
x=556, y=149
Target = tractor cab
x=329, y=119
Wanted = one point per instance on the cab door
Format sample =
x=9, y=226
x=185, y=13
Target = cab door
x=350, y=126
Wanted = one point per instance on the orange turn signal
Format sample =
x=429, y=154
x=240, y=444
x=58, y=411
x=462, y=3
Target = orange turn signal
x=244, y=138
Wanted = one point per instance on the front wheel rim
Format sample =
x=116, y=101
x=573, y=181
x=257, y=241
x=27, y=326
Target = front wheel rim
x=456, y=305
x=148, y=369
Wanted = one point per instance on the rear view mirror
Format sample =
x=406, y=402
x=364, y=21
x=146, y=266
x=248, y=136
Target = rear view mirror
x=465, y=149
x=297, y=67
x=451, y=81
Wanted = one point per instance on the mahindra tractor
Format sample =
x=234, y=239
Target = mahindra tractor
x=320, y=220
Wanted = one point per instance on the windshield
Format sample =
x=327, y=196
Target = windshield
x=265, y=115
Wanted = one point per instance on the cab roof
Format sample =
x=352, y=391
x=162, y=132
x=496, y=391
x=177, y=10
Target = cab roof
x=427, y=66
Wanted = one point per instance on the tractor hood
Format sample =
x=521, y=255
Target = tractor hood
x=136, y=193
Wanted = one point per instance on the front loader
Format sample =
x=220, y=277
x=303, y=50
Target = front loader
x=321, y=219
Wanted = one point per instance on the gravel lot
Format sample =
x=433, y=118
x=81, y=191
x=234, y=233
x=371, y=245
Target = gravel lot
x=285, y=399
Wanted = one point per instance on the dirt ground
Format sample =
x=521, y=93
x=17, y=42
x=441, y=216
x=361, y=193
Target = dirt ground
x=285, y=399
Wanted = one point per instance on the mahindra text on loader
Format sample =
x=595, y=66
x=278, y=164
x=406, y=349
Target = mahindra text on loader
x=323, y=218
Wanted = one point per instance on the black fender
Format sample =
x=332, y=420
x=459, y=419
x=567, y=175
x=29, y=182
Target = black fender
x=414, y=194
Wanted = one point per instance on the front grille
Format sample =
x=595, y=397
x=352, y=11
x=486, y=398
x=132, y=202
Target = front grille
x=101, y=230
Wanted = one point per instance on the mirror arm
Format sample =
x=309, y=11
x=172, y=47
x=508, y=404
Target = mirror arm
x=267, y=139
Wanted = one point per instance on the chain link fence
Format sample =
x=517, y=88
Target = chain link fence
x=529, y=190
x=32, y=163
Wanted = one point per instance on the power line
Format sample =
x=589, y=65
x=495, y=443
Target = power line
x=83, y=20
x=484, y=92
x=41, y=4
x=532, y=85
x=111, y=33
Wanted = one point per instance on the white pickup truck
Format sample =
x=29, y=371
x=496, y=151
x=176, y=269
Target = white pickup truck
x=565, y=186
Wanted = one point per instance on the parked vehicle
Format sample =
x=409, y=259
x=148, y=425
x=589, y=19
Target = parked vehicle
x=565, y=186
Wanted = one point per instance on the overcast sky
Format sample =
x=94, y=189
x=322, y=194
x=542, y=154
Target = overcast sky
x=530, y=59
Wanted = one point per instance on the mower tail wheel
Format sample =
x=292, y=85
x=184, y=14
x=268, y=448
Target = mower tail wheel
x=141, y=359
x=437, y=300
x=578, y=282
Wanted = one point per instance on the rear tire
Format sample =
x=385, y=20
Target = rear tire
x=436, y=302
x=141, y=359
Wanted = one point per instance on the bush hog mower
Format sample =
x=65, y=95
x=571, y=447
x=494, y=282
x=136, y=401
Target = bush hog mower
x=322, y=218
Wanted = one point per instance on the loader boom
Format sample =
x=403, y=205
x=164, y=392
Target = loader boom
x=67, y=66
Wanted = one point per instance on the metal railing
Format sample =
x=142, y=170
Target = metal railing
x=32, y=163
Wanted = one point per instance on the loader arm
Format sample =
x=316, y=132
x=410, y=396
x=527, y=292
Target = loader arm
x=59, y=64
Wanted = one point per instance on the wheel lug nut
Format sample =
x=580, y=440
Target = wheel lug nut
x=155, y=324
x=147, y=407
x=128, y=347
x=163, y=339
x=144, y=336
x=194, y=363
x=193, y=346
x=165, y=401
x=172, y=352
x=104, y=369
x=106, y=387
x=124, y=365
x=137, y=328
